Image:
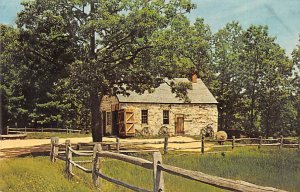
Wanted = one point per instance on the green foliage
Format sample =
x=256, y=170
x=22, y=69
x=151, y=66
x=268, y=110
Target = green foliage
x=27, y=84
x=109, y=49
x=296, y=86
x=13, y=100
x=66, y=55
x=254, y=81
x=181, y=90
x=266, y=73
x=227, y=66
x=187, y=48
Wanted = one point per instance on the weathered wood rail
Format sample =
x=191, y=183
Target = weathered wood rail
x=157, y=167
x=236, y=143
x=121, y=147
x=13, y=136
x=10, y=130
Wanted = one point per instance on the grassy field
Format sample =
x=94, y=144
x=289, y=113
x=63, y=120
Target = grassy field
x=267, y=167
x=48, y=135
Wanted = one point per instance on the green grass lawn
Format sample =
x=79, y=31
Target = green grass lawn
x=47, y=135
x=267, y=167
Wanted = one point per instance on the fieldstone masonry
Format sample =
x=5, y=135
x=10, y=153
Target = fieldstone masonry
x=196, y=116
x=107, y=105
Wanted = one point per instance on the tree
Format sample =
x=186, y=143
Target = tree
x=12, y=97
x=109, y=48
x=296, y=87
x=227, y=66
x=27, y=84
x=189, y=46
x=265, y=78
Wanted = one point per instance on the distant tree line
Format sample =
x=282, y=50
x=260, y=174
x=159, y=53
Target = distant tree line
x=64, y=56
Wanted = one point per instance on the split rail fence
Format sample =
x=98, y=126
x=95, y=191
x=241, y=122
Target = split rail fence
x=259, y=142
x=157, y=167
x=10, y=130
x=199, y=145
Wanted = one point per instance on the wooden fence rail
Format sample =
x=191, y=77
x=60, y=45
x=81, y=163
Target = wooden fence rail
x=199, y=144
x=10, y=130
x=219, y=182
x=279, y=142
x=156, y=166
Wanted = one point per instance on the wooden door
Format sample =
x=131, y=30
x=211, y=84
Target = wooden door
x=126, y=122
x=179, y=125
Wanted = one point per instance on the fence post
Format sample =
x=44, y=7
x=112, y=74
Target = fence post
x=158, y=178
x=54, y=148
x=96, y=164
x=281, y=142
x=42, y=129
x=202, y=144
x=118, y=144
x=68, y=159
x=299, y=142
x=7, y=130
x=25, y=129
x=78, y=146
x=166, y=144
x=260, y=142
x=233, y=142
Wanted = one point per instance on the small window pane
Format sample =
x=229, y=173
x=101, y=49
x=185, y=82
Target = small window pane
x=144, y=116
x=165, y=116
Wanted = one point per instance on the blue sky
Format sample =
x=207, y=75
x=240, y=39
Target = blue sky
x=281, y=16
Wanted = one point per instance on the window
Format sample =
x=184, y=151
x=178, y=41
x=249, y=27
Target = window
x=165, y=116
x=144, y=116
x=108, y=118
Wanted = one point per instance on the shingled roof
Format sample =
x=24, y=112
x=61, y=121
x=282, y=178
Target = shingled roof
x=163, y=94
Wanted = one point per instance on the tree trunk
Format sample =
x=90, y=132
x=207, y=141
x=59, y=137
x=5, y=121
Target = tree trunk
x=221, y=118
x=96, y=123
x=96, y=119
x=268, y=123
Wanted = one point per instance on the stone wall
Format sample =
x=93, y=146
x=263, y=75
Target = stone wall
x=109, y=104
x=196, y=116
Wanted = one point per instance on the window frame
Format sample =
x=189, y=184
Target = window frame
x=166, y=117
x=144, y=116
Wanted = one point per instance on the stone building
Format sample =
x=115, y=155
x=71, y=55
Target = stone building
x=149, y=112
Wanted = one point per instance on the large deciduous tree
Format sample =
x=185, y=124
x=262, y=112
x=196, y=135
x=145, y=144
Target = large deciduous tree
x=265, y=79
x=296, y=89
x=106, y=46
x=190, y=45
x=227, y=66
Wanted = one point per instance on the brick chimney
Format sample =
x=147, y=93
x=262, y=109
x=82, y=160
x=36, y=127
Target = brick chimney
x=194, y=78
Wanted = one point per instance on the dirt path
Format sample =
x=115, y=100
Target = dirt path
x=12, y=148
